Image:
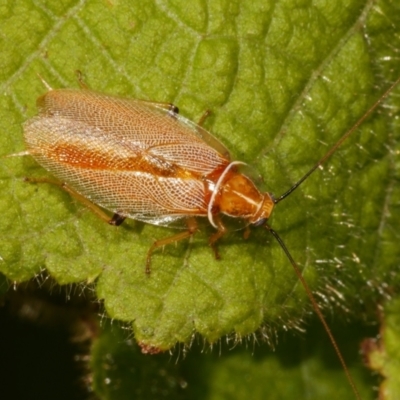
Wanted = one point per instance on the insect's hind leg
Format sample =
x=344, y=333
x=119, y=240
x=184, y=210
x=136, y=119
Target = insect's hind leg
x=115, y=220
x=192, y=228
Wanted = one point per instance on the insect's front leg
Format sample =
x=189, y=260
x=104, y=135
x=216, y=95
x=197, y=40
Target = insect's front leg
x=192, y=228
x=217, y=235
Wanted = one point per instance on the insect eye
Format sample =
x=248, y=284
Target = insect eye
x=260, y=222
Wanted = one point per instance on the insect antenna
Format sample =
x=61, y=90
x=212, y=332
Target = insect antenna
x=317, y=309
x=339, y=142
x=289, y=256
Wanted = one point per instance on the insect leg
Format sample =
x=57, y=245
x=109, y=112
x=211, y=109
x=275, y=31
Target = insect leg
x=116, y=218
x=192, y=229
x=81, y=81
x=204, y=117
x=217, y=235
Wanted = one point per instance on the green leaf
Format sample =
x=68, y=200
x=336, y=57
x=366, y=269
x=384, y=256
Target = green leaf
x=382, y=354
x=284, y=81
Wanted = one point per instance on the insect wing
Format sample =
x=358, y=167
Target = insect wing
x=127, y=156
x=205, y=136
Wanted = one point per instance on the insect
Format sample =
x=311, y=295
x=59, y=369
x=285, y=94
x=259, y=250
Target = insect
x=144, y=161
x=141, y=161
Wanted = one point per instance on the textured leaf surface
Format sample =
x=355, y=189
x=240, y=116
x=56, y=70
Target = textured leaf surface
x=284, y=80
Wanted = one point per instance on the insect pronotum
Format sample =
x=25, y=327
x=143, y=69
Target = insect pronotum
x=143, y=161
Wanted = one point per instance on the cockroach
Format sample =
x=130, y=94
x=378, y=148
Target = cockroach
x=144, y=161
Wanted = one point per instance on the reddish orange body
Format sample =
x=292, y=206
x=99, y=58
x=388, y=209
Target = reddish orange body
x=140, y=160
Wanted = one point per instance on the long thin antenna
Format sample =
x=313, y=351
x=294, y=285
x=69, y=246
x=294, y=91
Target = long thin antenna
x=339, y=142
x=317, y=310
x=289, y=256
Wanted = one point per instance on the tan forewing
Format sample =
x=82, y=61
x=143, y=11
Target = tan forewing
x=125, y=155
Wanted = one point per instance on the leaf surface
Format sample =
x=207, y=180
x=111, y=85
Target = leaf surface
x=284, y=81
